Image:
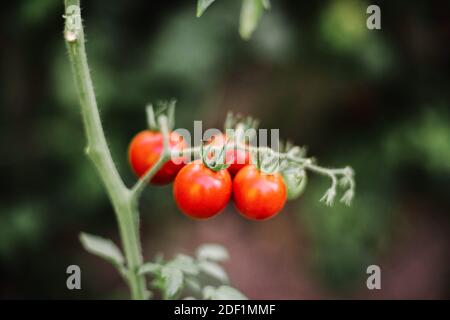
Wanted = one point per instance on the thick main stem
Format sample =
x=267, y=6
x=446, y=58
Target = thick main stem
x=98, y=151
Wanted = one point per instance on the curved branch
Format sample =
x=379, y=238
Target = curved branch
x=140, y=185
x=307, y=163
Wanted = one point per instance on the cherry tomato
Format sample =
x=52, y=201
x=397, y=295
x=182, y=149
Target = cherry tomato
x=145, y=150
x=201, y=192
x=236, y=158
x=258, y=195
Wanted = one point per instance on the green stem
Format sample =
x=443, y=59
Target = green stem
x=306, y=163
x=98, y=151
x=136, y=191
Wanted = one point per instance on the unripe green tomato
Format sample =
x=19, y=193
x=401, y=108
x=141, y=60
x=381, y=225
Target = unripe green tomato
x=295, y=184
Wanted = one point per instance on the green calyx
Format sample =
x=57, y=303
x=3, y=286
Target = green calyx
x=163, y=107
x=267, y=160
x=214, y=157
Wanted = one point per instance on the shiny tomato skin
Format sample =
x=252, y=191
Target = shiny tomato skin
x=144, y=151
x=257, y=195
x=200, y=192
x=237, y=159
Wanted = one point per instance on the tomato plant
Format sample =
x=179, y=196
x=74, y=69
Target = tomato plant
x=201, y=192
x=201, y=188
x=258, y=195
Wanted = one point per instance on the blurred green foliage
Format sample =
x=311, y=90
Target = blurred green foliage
x=347, y=240
x=343, y=29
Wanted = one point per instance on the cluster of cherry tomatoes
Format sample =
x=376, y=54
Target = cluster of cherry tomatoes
x=201, y=192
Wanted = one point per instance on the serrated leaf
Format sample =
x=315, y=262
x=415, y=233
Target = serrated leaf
x=202, y=5
x=173, y=281
x=184, y=263
x=209, y=292
x=149, y=267
x=251, y=13
x=102, y=247
x=213, y=252
x=228, y=293
x=193, y=284
x=222, y=293
x=213, y=270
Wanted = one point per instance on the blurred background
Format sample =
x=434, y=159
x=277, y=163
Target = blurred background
x=377, y=100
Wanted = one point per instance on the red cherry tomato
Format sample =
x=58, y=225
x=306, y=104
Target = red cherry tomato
x=145, y=150
x=201, y=192
x=236, y=158
x=258, y=195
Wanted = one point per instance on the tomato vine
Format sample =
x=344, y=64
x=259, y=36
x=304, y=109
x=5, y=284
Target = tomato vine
x=125, y=199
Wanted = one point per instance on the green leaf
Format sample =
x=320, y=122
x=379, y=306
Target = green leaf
x=159, y=258
x=209, y=292
x=173, y=281
x=228, y=293
x=266, y=4
x=251, y=13
x=213, y=270
x=213, y=252
x=185, y=264
x=202, y=5
x=222, y=293
x=102, y=247
x=193, y=284
x=149, y=267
